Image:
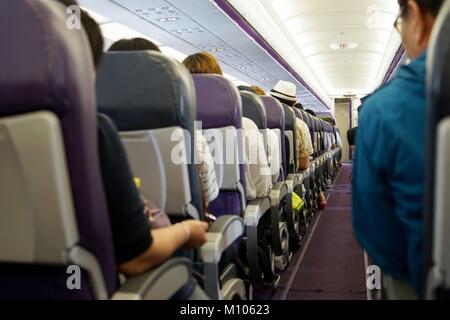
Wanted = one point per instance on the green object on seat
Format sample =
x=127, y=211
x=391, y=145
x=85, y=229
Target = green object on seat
x=297, y=203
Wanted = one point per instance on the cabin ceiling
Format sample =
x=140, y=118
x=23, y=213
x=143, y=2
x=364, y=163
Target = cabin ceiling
x=301, y=31
x=346, y=45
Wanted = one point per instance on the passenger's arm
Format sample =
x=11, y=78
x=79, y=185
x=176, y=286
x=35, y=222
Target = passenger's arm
x=304, y=163
x=305, y=147
x=189, y=234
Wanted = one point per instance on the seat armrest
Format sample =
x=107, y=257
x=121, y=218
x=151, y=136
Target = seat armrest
x=255, y=210
x=160, y=283
x=225, y=231
x=279, y=191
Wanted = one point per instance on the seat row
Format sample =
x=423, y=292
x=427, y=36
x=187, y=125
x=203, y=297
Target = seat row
x=53, y=210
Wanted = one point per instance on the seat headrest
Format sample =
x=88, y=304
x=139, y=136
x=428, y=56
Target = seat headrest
x=289, y=118
x=144, y=90
x=219, y=103
x=275, y=113
x=308, y=119
x=42, y=64
x=253, y=108
x=298, y=113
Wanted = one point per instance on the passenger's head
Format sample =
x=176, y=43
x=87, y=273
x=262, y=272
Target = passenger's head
x=203, y=63
x=330, y=121
x=351, y=137
x=285, y=92
x=92, y=30
x=299, y=106
x=310, y=112
x=258, y=90
x=135, y=44
x=415, y=23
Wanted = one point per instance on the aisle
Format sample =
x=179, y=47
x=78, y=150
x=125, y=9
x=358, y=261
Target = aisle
x=331, y=264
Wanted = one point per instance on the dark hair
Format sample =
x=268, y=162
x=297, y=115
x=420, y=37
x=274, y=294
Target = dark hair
x=330, y=121
x=94, y=35
x=92, y=30
x=68, y=3
x=351, y=136
x=299, y=106
x=432, y=6
x=247, y=88
x=135, y=44
x=311, y=112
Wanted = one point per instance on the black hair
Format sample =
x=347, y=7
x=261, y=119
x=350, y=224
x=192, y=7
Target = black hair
x=135, y=44
x=330, y=121
x=95, y=37
x=299, y=106
x=247, y=88
x=311, y=112
x=92, y=30
x=351, y=136
x=432, y=6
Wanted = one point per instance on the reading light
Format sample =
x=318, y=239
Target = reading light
x=343, y=45
x=168, y=19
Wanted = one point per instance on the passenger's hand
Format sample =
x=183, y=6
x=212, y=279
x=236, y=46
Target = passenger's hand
x=198, y=233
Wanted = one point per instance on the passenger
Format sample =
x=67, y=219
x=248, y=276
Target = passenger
x=286, y=92
x=258, y=185
x=388, y=181
x=273, y=150
x=351, y=137
x=203, y=63
x=205, y=162
x=299, y=106
x=311, y=112
x=258, y=91
x=137, y=248
x=135, y=44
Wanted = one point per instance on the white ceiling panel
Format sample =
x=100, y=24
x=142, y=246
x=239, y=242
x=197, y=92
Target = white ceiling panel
x=346, y=46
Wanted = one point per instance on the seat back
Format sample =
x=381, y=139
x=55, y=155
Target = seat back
x=290, y=138
x=437, y=204
x=276, y=122
x=253, y=109
x=52, y=206
x=155, y=115
x=219, y=109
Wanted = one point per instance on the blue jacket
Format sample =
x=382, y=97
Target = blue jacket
x=388, y=179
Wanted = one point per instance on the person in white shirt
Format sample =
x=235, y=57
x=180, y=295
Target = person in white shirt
x=206, y=170
x=286, y=92
x=258, y=172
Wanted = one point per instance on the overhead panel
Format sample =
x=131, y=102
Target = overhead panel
x=199, y=25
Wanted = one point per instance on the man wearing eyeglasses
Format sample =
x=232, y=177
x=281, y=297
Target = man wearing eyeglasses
x=388, y=180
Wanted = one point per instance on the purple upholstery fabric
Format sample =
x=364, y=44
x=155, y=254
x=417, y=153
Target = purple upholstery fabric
x=227, y=203
x=276, y=120
x=46, y=66
x=219, y=105
x=218, y=102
